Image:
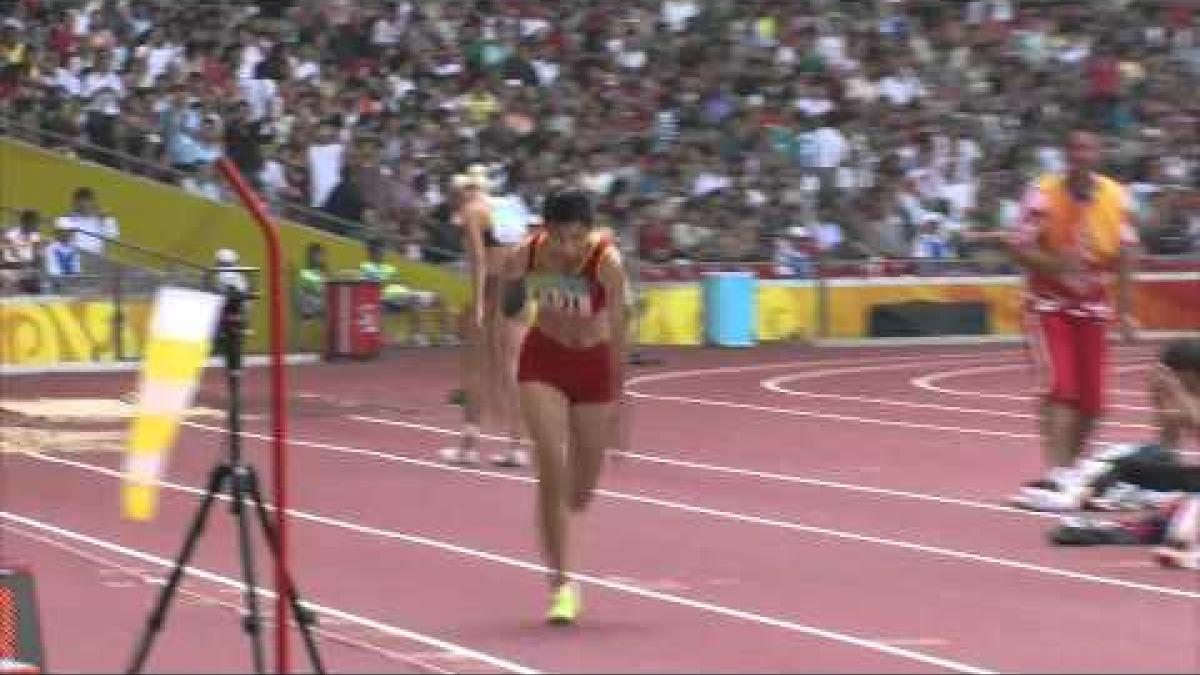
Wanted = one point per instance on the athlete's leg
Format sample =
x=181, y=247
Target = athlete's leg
x=513, y=334
x=1091, y=354
x=591, y=433
x=505, y=348
x=472, y=363
x=547, y=417
x=1054, y=345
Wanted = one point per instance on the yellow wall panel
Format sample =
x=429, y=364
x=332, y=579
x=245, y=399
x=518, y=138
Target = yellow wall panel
x=787, y=312
x=670, y=315
x=45, y=331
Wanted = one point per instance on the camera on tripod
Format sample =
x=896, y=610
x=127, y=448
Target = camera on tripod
x=231, y=282
x=236, y=479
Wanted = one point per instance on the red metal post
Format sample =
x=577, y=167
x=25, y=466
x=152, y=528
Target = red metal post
x=270, y=232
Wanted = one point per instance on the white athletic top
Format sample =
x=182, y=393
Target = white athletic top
x=510, y=220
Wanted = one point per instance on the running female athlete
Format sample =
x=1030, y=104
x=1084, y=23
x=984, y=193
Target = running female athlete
x=493, y=323
x=571, y=370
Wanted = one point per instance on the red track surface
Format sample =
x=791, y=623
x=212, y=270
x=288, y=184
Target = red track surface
x=785, y=509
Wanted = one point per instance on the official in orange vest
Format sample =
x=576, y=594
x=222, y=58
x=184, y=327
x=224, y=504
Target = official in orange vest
x=1075, y=240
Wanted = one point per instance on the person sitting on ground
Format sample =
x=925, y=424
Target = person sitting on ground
x=397, y=297
x=1175, y=391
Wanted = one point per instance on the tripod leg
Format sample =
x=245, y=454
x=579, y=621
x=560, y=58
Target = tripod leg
x=305, y=618
x=251, y=622
x=158, y=615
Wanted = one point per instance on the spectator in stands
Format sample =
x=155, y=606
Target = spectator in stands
x=21, y=255
x=346, y=203
x=931, y=242
x=244, y=139
x=934, y=92
x=1172, y=223
x=92, y=227
x=63, y=257
x=202, y=181
x=102, y=88
x=310, y=283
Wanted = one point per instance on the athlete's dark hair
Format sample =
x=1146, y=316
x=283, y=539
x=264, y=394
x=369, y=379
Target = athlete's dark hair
x=567, y=205
x=1182, y=355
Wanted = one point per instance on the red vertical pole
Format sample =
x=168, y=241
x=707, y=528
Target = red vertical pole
x=270, y=234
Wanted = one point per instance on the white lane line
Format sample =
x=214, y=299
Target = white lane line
x=108, y=566
x=464, y=551
x=734, y=471
x=777, y=385
x=717, y=513
x=929, y=383
x=792, y=412
x=230, y=583
x=799, y=362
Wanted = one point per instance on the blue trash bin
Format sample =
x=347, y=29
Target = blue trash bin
x=730, y=308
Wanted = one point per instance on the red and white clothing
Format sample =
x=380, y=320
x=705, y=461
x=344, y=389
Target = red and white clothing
x=1067, y=319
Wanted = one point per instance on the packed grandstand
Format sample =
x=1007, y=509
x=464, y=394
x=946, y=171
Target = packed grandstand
x=774, y=131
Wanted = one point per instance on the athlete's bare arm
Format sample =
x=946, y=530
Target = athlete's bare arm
x=474, y=220
x=611, y=273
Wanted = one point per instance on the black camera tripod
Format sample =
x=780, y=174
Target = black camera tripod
x=241, y=481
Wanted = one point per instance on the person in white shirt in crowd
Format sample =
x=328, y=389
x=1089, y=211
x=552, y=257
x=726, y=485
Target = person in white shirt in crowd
x=203, y=182
x=829, y=149
x=931, y=242
x=92, y=227
x=102, y=88
x=63, y=256
x=324, y=164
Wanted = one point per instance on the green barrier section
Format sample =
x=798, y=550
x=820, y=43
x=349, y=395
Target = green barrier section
x=169, y=221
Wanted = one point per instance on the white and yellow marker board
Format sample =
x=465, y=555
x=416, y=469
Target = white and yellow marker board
x=180, y=336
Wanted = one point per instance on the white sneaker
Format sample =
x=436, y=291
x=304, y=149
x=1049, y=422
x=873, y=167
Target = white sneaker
x=1039, y=499
x=1119, y=497
x=460, y=456
x=1062, y=490
x=1178, y=557
x=515, y=458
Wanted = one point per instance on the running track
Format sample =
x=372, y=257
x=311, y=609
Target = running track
x=784, y=509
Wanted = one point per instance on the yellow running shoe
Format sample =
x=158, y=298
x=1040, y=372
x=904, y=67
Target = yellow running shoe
x=566, y=606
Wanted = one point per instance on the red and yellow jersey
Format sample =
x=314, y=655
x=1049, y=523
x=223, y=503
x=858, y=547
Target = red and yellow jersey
x=1095, y=232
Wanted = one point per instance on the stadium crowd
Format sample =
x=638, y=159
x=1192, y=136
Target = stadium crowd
x=749, y=130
